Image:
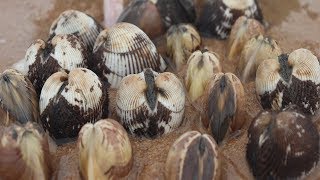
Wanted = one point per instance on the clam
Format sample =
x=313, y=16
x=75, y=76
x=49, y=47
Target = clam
x=24, y=153
x=282, y=145
x=79, y=24
x=218, y=16
x=242, y=31
x=104, y=150
x=70, y=100
x=223, y=100
x=290, y=79
x=182, y=40
x=150, y=104
x=18, y=98
x=254, y=52
x=201, y=67
x=122, y=50
x=193, y=156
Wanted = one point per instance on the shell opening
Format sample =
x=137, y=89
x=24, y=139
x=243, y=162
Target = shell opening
x=285, y=69
x=151, y=93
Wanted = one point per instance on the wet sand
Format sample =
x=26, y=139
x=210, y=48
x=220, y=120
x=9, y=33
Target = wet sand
x=294, y=24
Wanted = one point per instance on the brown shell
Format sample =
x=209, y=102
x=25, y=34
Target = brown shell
x=193, y=155
x=282, y=145
x=18, y=99
x=104, y=150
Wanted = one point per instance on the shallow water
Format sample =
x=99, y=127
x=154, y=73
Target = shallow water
x=294, y=24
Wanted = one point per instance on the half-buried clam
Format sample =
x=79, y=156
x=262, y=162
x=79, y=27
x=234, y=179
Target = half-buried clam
x=150, y=104
x=282, y=145
x=104, y=150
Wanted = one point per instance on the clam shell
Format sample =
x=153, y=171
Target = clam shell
x=282, y=146
x=18, y=98
x=193, y=155
x=24, y=153
x=68, y=101
x=201, y=67
x=79, y=24
x=150, y=104
x=182, y=40
x=104, y=150
x=122, y=50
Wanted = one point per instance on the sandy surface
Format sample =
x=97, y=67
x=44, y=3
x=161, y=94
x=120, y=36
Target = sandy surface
x=294, y=24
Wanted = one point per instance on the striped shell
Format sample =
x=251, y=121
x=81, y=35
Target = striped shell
x=150, y=104
x=193, y=155
x=104, y=150
x=218, y=16
x=201, y=67
x=122, y=50
x=24, y=153
x=254, y=52
x=182, y=40
x=223, y=100
x=282, y=145
x=18, y=99
x=290, y=79
x=68, y=101
x=79, y=24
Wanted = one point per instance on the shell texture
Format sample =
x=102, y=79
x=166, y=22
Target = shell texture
x=150, y=104
x=122, y=50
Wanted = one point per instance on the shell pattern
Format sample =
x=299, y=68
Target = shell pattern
x=150, y=104
x=122, y=50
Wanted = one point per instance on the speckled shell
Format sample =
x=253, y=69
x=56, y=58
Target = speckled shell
x=242, y=31
x=282, y=145
x=68, y=101
x=182, y=40
x=150, y=104
x=104, y=150
x=79, y=24
x=254, y=52
x=18, y=98
x=122, y=50
x=218, y=16
x=223, y=100
x=201, y=67
x=24, y=153
x=290, y=79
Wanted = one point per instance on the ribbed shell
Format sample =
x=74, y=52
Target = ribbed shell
x=282, y=145
x=122, y=50
x=193, y=155
x=201, y=67
x=182, y=41
x=134, y=106
x=68, y=101
x=104, y=150
x=18, y=98
x=77, y=23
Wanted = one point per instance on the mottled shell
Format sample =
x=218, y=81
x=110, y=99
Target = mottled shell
x=217, y=17
x=104, y=150
x=24, y=153
x=18, y=99
x=282, y=146
x=68, y=101
x=201, y=67
x=122, y=50
x=254, y=52
x=77, y=23
x=223, y=100
x=150, y=104
x=290, y=79
x=193, y=156
x=182, y=40
x=242, y=31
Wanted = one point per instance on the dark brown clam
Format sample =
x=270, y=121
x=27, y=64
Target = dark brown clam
x=193, y=156
x=282, y=145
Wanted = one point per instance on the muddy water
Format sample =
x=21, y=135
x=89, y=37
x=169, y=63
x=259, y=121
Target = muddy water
x=294, y=24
